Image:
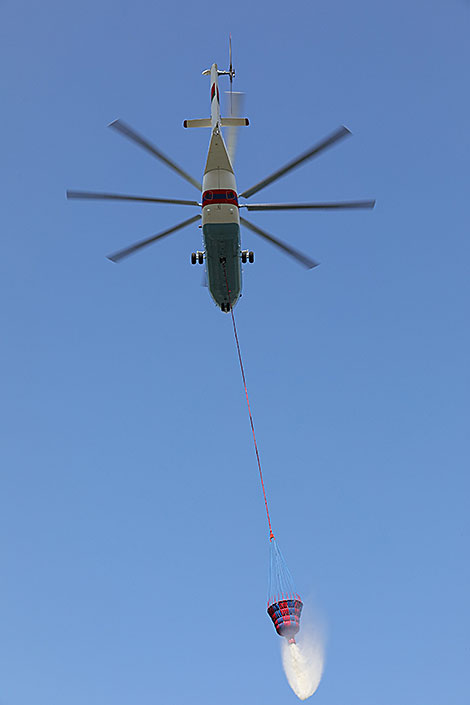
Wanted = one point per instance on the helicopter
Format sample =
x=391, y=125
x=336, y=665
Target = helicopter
x=220, y=207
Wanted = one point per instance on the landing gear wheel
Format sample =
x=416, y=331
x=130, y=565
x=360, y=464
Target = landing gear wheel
x=193, y=258
x=200, y=257
x=251, y=257
x=244, y=257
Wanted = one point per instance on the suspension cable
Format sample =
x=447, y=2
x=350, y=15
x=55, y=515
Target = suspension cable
x=242, y=369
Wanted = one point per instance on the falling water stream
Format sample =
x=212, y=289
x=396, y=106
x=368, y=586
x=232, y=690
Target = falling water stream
x=304, y=661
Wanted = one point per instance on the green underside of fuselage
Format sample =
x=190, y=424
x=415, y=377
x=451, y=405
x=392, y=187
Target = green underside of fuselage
x=223, y=264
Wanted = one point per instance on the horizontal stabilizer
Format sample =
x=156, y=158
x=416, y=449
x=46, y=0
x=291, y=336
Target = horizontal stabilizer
x=225, y=122
x=234, y=122
x=199, y=122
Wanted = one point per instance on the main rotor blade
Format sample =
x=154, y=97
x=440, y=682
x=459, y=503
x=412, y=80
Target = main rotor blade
x=299, y=256
x=128, y=132
x=92, y=195
x=327, y=142
x=306, y=206
x=143, y=243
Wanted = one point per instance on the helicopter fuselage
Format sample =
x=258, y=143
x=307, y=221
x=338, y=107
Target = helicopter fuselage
x=220, y=217
x=221, y=227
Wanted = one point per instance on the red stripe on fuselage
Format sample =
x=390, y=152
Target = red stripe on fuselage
x=213, y=93
x=217, y=196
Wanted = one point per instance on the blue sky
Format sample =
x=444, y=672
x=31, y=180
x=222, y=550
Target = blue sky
x=134, y=546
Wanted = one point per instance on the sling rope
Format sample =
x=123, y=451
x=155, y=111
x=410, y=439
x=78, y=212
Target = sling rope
x=242, y=369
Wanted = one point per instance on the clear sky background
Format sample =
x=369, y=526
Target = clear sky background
x=134, y=546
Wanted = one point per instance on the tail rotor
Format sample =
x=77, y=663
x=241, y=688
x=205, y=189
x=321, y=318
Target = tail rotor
x=237, y=101
x=231, y=72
